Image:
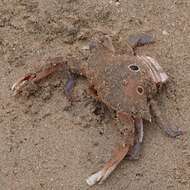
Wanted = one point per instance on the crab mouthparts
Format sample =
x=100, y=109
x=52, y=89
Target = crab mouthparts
x=156, y=71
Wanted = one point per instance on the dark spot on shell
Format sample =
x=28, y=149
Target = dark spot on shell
x=140, y=90
x=134, y=68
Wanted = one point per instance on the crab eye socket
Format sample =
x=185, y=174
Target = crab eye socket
x=134, y=68
x=140, y=90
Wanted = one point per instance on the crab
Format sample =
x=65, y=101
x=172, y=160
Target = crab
x=128, y=84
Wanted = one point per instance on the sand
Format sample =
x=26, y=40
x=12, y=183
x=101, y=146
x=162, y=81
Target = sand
x=47, y=144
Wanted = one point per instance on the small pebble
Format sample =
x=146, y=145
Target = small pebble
x=164, y=32
x=85, y=47
x=96, y=144
x=117, y=4
x=101, y=132
x=183, y=181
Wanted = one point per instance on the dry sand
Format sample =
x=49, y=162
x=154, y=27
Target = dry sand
x=47, y=144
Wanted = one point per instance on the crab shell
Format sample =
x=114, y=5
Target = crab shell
x=125, y=83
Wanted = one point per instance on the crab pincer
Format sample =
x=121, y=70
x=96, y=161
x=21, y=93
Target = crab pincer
x=36, y=77
x=118, y=154
x=100, y=176
x=16, y=87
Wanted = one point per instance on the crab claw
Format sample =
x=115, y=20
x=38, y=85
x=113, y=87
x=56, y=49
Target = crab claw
x=103, y=174
x=16, y=87
x=38, y=76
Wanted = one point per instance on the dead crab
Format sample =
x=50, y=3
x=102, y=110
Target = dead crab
x=125, y=83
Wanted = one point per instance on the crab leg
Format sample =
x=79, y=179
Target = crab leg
x=134, y=153
x=139, y=40
x=164, y=125
x=101, y=175
x=139, y=128
x=69, y=85
x=36, y=77
x=118, y=155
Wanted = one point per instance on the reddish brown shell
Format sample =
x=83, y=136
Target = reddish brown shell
x=122, y=82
